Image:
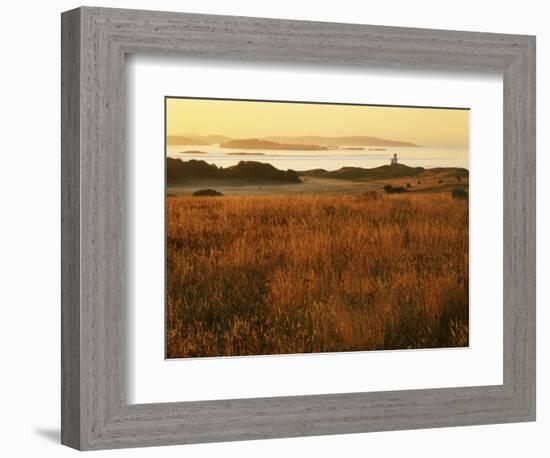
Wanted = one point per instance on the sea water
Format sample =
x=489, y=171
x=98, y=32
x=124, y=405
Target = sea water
x=331, y=159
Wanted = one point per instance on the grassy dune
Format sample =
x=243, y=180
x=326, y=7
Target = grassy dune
x=315, y=273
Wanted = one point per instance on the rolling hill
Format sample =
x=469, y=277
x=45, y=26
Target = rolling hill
x=358, y=173
x=180, y=172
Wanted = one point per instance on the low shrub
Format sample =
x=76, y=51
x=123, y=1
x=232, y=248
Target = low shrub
x=394, y=189
x=207, y=192
x=459, y=193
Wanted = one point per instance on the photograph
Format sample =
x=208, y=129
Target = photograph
x=300, y=227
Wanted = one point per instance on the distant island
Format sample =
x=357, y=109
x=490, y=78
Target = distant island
x=212, y=139
x=256, y=143
x=192, y=152
x=353, y=140
x=299, y=143
x=195, y=139
x=179, y=140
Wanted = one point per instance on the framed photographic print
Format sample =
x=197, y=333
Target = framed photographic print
x=287, y=228
x=324, y=241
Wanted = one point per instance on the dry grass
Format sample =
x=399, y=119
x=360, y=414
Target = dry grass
x=319, y=273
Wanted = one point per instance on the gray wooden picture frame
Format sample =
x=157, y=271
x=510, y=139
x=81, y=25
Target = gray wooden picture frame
x=95, y=412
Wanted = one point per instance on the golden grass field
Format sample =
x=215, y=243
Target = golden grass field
x=253, y=275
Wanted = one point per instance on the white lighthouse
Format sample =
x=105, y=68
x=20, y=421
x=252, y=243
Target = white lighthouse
x=394, y=159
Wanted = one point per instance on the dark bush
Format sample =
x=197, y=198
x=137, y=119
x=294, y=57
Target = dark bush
x=409, y=185
x=207, y=192
x=394, y=189
x=459, y=193
x=440, y=181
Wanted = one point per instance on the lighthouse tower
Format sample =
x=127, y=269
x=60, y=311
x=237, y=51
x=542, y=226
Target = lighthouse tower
x=394, y=159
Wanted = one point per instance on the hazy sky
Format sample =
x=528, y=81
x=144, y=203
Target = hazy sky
x=240, y=119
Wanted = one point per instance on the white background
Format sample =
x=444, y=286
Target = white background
x=155, y=380
x=30, y=245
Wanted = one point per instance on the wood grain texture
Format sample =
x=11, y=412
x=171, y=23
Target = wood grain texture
x=70, y=229
x=96, y=414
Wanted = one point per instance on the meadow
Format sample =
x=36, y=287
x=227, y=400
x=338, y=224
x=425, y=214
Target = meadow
x=256, y=275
